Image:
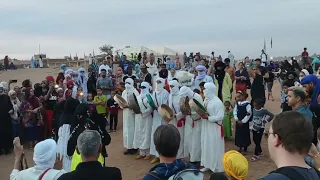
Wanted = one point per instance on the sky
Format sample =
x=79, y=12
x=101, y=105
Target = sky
x=64, y=27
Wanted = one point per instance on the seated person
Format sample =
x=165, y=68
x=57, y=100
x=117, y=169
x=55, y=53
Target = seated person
x=12, y=66
x=167, y=142
x=89, y=145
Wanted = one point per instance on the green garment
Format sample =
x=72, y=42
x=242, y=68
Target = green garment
x=227, y=124
x=226, y=88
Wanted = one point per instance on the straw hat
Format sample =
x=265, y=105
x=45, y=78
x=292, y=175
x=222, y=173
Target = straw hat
x=122, y=102
x=197, y=107
x=133, y=103
x=166, y=112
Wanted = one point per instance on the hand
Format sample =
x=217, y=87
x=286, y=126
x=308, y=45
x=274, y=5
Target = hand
x=18, y=151
x=313, y=150
x=205, y=116
x=58, y=163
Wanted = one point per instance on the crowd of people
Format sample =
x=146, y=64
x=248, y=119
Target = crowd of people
x=80, y=109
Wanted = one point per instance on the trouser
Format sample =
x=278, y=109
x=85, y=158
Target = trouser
x=102, y=121
x=144, y=152
x=257, y=137
x=113, y=121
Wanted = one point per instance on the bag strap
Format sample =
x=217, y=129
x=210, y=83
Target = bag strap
x=291, y=173
x=157, y=176
x=41, y=176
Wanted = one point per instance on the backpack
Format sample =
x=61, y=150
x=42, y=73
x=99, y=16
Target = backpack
x=187, y=174
x=291, y=173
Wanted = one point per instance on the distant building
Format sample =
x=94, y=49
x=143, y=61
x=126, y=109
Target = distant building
x=37, y=56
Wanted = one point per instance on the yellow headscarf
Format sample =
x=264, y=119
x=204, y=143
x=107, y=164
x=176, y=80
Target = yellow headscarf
x=235, y=165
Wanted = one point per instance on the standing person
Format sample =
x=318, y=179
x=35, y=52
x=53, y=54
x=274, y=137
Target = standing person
x=146, y=125
x=178, y=121
x=100, y=101
x=104, y=66
x=231, y=57
x=202, y=76
x=257, y=87
x=223, y=82
x=30, y=117
x=160, y=96
x=105, y=83
x=284, y=94
x=311, y=84
x=40, y=62
x=125, y=64
x=264, y=58
x=145, y=75
x=83, y=81
x=305, y=58
x=260, y=117
x=212, y=130
x=269, y=82
x=129, y=74
x=6, y=109
x=242, y=113
x=288, y=146
x=153, y=70
x=242, y=78
x=6, y=63
x=163, y=73
x=228, y=115
x=192, y=128
x=230, y=69
x=15, y=116
x=113, y=108
x=128, y=118
x=296, y=99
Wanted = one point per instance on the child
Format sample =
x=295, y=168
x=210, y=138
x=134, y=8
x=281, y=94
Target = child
x=101, y=105
x=228, y=114
x=284, y=92
x=113, y=109
x=242, y=114
x=90, y=98
x=260, y=117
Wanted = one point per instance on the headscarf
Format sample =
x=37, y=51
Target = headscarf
x=306, y=72
x=146, y=90
x=160, y=86
x=312, y=79
x=32, y=100
x=220, y=73
x=68, y=71
x=5, y=85
x=129, y=85
x=209, y=90
x=201, y=75
x=69, y=108
x=314, y=62
x=63, y=67
x=70, y=84
x=235, y=165
x=44, y=154
x=11, y=92
x=50, y=78
x=186, y=92
x=175, y=89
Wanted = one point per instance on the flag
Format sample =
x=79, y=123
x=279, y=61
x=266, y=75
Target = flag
x=271, y=42
x=264, y=45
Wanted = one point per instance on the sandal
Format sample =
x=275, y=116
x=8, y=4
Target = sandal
x=254, y=158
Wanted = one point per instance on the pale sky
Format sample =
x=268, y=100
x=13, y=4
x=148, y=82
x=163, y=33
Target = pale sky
x=64, y=27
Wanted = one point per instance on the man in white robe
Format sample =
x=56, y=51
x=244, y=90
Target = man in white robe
x=138, y=125
x=153, y=70
x=179, y=120
x=212, y=146
x=146, y=122
x=83, y=80
x=192, y=128
x=128, y=118
x=160, y=96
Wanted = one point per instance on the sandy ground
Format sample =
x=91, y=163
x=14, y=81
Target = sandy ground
x=134, y=169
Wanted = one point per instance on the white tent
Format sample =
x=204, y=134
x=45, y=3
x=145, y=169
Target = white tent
x=166, y=51
x=128, y=50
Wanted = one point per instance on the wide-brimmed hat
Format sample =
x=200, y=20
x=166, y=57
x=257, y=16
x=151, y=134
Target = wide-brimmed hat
x=166, y=112
x=122, y=102
x=133, y=103
x=197, y=107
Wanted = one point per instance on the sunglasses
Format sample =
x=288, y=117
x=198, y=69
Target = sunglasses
x=266, y=134
x=142, y=87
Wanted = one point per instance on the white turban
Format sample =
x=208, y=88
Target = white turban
x=186, y=92
x=145, y=91
x=11, y=92
x=175, y=88
x=306, y=72
x=129, y=84
x=5, y=85
x=209, y=90
x=68, y=71
x=44, y=154
x=161, y=85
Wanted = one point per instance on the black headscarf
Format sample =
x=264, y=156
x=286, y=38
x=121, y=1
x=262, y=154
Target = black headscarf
x=69, y=108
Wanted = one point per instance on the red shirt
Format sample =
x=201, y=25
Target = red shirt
x=305, y=54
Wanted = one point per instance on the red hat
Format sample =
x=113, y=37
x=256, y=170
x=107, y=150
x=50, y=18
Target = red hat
x=50, y=78
x=70, y=84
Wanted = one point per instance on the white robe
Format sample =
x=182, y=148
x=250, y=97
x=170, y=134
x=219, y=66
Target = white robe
x=40, y=63
x=153, y=70
x=138, y=136
x=212, y=147
x=174, y=104
x=128, y=122
x=192, y=134
x=159, y=98
x=62, y=146
x=83, y=84
x=146, y=124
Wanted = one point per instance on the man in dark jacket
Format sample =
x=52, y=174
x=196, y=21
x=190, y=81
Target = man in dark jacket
x=89, y=145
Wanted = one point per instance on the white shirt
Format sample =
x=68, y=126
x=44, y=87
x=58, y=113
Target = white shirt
x=35, y=173
x=106, y=67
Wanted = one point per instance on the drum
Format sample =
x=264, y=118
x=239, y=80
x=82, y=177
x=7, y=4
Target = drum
x=197, y=107
x=166, y=112
x=122, y=102
x=151, y=102
x=133, y=103
x=184, y=106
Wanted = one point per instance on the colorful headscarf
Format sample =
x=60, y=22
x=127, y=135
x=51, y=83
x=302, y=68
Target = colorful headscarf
x=235, y=165
x=312, y=79
x=314, y=62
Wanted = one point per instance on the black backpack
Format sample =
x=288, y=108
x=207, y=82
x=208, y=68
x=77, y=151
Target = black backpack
x=292, y=173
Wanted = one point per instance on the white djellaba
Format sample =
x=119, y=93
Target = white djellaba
x=128, y=116
x=178, y=121
x=159, y=96
x=192, y=128
x=211, y=137
x=146, y=123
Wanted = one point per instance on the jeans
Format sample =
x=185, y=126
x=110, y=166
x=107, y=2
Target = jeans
x=16, y=130
x=257, y=137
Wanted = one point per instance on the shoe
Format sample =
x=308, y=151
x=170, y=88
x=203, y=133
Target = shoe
x=139, y=157
x=133, y=151
x=155, y=160
x=261, y=154
x=128, y=152
x=147, y=158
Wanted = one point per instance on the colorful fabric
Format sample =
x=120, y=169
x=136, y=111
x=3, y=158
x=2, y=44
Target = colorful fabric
x=76, y=159
x=227, y=124
x=235, y=165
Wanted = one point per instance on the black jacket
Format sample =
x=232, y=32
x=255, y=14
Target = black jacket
x=92, y=170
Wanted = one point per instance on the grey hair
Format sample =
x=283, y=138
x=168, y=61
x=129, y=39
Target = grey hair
x=88, y=143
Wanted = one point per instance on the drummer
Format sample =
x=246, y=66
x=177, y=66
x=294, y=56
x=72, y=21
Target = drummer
x=192, y=128
x=179, y=120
